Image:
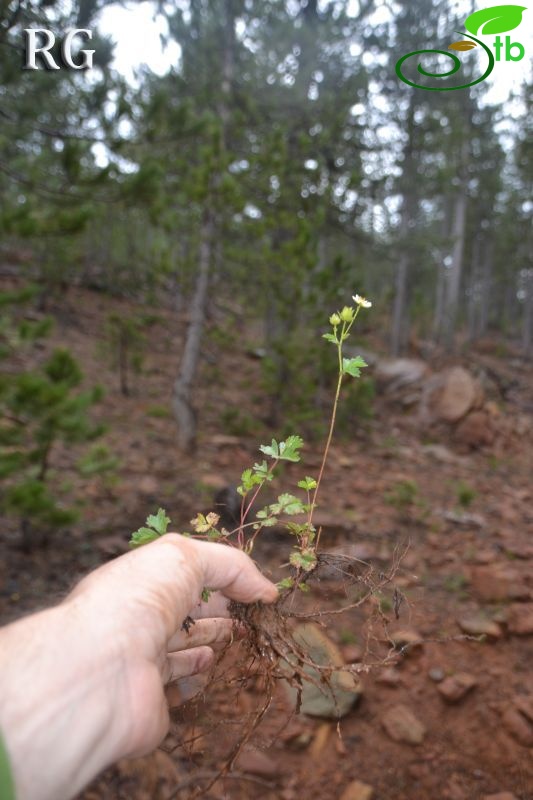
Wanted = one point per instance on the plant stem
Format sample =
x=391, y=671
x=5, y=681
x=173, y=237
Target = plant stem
x=246, y=511
x=343, y=336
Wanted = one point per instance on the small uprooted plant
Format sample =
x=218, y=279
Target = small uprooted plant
x=271, y=647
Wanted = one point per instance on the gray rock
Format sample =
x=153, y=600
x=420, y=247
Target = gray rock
x=395, y=374
x=335, y=697
x=401, y=725
x=455, y=687
x=452, y=394
x=476, y=624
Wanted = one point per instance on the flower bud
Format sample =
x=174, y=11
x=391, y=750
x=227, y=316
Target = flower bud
x=335, y=320
x=347, y=314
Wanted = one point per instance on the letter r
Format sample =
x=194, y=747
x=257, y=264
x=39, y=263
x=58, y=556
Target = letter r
x=32, y=50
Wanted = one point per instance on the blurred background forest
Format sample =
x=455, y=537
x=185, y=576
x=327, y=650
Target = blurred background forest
x=276, y=168
x=171, y=248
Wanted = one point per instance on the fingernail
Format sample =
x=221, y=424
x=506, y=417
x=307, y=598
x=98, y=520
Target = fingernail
x=270, y=594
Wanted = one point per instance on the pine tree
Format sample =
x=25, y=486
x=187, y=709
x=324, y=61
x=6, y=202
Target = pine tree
x=41, y=408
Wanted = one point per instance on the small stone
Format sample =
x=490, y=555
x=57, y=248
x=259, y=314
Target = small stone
x=441, y=453
x=389, y=677
x=331, y=700
x=436, y=674
x=475, y=430
x=455, y=687
x=401, y=725
x=520, y=619
x=293, y=730
x=454, y=789
x=478, y=625
x=257, y=763
x=525, y=706
x=407, y=641
x=495, y=583
x=320, y=740
x=356, y=790
x=518, y=726
x=148, y=486
x=500, y=796
x=517, y=546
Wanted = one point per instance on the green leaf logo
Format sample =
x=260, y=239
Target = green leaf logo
x=497, y=19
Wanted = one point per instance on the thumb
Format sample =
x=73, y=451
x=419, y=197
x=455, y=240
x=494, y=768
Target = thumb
x=234, y=574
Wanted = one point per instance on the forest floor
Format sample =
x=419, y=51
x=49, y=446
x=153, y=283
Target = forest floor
x=465, y=569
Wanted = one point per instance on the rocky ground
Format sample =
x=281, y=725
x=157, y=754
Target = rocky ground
x=435, y=489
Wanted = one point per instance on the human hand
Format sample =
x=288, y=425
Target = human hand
x=96, y=665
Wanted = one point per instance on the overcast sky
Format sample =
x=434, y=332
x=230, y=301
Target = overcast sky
x=137, y=37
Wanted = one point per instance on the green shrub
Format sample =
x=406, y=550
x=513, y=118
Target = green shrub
x=41, y=407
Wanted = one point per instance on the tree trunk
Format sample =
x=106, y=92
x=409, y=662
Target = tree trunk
x=486, y=285
x=441, y=273
x=399, y=326
x=210, y=255
x=454, y=275
x=399, y=313
x=182, y=400
x=527, y=320
x=474, y=291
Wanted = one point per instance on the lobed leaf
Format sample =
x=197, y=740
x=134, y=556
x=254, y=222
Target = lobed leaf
x=353, y=366
x=286, y=583
x=288, y=450
x=159, y=522
x=143, y=536
x=307, y=483
x=304, y=559
x=270, y=450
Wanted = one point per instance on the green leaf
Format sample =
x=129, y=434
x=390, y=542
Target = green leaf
x=270, y=450
x=206, y=594
x=288, y=450
x=304, y=587
x=287, y=504
x=159, y=522
x=301, y=530
x=304, y=559
x=307, y=483
x=286, y=583
x=330, y=337
x=262, y=472
x=290, y=504
x=143, y=536
x=353, y=366
x=249, y=479
x=266, y=523
x=497, y=19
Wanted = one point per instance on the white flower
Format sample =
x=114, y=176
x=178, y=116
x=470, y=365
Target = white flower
x=361, y=301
